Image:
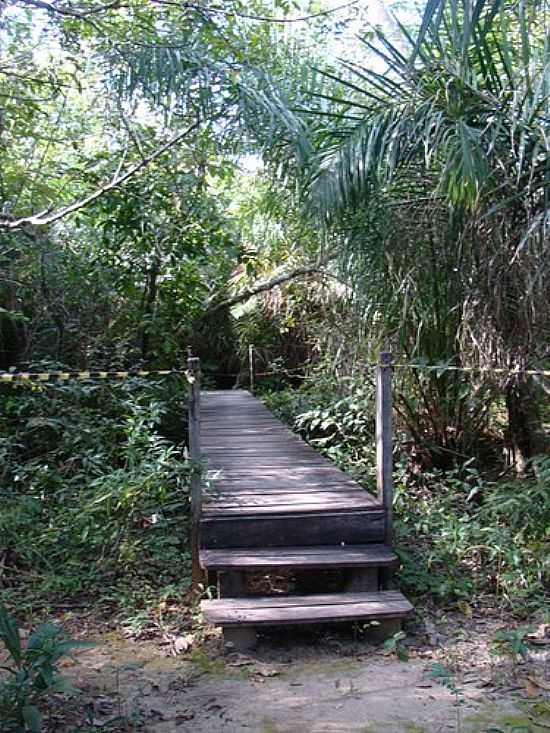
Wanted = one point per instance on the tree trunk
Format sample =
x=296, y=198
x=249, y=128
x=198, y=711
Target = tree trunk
x=150, y=299
x=13, y=333
x=524, y=435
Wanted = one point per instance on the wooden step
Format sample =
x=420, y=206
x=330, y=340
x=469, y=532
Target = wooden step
x=299, y=558
x=277, y=529
x=290, y=610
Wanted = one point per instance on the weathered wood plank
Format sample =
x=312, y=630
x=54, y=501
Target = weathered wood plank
x=303, y=528
x=263, y=497
x=319, y=599
x=305, y=609
x=269, y=502
x=211, y=512
x=267, y=487
x=227, y=489
x=194, y=431
x=384, y=440
x=283, y=477
x=315, y=557
x=222, y=488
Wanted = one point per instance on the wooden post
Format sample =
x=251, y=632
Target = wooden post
x=251, y=370
x=384, y=441
x=194, y=404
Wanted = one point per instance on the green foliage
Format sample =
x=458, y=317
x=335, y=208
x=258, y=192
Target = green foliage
x=96, y=493
x=31, y=672
x=445, y=677
x=394, y=645
x=425, y=158
x=511, y=642
x=460, y=535
x=337, y=417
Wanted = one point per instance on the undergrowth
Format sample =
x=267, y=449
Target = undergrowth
x=459, y=534
x=94, y=491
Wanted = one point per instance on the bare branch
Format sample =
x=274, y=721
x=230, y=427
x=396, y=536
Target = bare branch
x=68, y=11
x=214, y=9
x=218, y=10
x=265, y=285
x=45, y=217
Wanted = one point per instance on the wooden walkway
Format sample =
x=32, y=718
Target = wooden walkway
x=272, y=502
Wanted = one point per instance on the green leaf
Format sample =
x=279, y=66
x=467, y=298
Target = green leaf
x=9, y=633
x=32, y=718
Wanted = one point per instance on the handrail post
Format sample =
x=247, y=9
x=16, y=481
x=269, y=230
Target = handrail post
x=384, y=441
x=251, y=370
x=194, y=406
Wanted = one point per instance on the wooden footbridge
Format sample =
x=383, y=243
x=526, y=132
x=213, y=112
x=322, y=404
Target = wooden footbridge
x=268, y=502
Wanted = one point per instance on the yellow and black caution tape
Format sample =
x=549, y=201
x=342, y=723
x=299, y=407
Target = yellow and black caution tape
x=486, y=370
x=81, y=376
x=16, y=377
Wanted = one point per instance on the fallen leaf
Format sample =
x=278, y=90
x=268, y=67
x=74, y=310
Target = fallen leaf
x=184, y=715
x=240, y=661
x=542, y=684
x=183, y=643
x=531, y=689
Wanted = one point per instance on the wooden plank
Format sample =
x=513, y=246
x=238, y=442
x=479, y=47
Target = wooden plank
x=243, y=414
x=267, y=484
x=288, y=499
x=306, y=609
x=281, y=505
x=284, y=477
x=305, y=459
x=257, y=495
x=224, y=429
x=238, y=454
x=194, y=431
x=318, y=599
x=319, y=471
x=259, y=466
x=384, y=440
x=245, y=441
x=226, y=489
x=251, y=506
x=246, y=445
x=305, y=615
x=296, y=528
x=316, y=557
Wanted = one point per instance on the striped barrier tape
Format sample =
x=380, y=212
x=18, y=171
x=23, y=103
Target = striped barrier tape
x=10, y=377
x=490, y=370
x=65, y=376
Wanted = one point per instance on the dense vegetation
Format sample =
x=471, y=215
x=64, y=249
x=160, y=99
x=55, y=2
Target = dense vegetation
x=216, y=175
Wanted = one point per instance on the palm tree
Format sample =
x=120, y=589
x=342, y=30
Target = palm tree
x=441, y=164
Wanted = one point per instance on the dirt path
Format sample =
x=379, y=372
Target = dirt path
x=324, y=684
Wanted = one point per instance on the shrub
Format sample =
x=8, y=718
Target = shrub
x=32, y=672
x=96, y=490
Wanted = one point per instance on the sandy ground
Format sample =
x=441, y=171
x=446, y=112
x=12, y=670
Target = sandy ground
x=327, y=682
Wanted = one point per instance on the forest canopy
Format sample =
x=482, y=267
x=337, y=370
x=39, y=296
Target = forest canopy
x=321, y=180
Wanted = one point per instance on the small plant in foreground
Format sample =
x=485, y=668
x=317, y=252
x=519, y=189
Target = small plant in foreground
x=394, y=645
x=445, y=677
x=512, y=643
x=32, y=672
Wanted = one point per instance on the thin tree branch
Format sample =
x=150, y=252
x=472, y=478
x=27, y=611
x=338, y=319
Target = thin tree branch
x=68, y=11
x=46, y=217
x=218, y=10
x=265, y=285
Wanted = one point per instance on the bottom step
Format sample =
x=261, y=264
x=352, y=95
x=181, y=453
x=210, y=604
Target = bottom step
x=314, y=609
